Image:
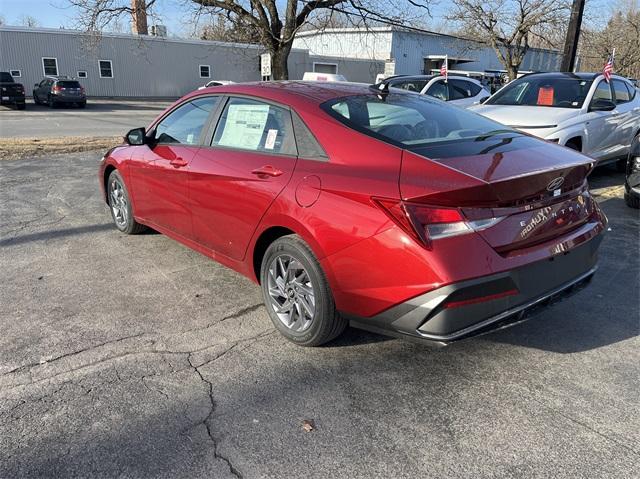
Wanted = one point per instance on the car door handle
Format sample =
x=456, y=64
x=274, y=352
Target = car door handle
x=178, y=162
x=267, y=170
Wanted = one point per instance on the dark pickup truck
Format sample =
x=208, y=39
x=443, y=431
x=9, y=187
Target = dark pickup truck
x=11, y=93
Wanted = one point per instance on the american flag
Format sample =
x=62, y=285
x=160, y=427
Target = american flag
x=607, y=70
x=444, y=69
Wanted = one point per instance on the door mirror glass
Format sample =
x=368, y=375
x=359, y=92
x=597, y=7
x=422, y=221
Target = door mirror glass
x=135, y=137
x=600, y=104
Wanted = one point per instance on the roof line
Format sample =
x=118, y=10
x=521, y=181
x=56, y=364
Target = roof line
x=193, y=41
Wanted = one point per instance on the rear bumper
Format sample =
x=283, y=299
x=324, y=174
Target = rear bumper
x=461, y=310
x=68, y=99
x=11, y=99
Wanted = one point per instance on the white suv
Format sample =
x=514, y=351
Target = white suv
x=578, y=110
x=458, y=90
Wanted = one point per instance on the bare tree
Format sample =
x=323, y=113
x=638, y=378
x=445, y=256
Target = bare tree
x=621, y=32
x=28, y=21
x=2, y=20
x=97, y=15
x=509, y=26
x=276, y=23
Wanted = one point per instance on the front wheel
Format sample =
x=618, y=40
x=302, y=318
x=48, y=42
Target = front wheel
x=297, y=295
x=120, y=205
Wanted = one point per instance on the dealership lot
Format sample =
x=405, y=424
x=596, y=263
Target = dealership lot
x=134, y=356
x=99, y=118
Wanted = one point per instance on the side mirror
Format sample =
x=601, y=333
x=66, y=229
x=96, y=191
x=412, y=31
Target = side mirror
x=136, y=137
x=36, y=85
x=601, y=104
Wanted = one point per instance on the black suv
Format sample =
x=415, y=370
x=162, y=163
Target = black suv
x=59, y=90
x=11, y=93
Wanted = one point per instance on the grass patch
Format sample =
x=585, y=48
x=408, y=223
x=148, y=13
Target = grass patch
x=19, y=148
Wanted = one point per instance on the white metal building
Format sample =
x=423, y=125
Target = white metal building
x=142, y=66
x=409, y=52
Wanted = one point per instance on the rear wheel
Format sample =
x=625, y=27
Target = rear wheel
x=632, y=201
x=51, y=102
x=120, y=205
x=21, y=106
x=297, y=295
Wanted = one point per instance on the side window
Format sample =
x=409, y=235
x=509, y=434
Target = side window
x=184, y=124
x=474, y=88
x=620, y=89
x=254, y=125
x=459, y=89
x=439, y=90
x=410, y=85
x=603, y=92
x=307, y=145
x=632, y=91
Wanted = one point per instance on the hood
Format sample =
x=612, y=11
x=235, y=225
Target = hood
x=526, y=116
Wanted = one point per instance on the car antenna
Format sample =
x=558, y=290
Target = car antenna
x=381, y=89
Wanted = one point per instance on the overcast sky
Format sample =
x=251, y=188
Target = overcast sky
x=173, y=14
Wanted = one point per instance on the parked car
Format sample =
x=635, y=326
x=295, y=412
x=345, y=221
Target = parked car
x=216, y=83
x=632, y=179
x=317, y=76
x=459, y=90
x=578, y=110
x=346, y=203
x=11, y=92
x=59, y=90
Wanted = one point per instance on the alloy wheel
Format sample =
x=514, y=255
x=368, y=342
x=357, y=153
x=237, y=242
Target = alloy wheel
x=118, y=203
x=291, y=293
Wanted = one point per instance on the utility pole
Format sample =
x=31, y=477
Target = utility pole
x=573, y=36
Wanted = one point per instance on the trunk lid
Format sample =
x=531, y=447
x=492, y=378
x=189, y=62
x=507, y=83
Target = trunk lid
x=538, y=188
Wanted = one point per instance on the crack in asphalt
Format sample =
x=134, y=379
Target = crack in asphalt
x=237, y=314
x=207, y=420
x=67, y=355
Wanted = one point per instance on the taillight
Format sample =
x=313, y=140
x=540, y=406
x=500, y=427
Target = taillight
x=428, y=223
x=82, y=90
x=56, y=89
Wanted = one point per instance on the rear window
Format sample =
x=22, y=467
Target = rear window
x=5, y=77
x=410, y=121
x=68, y=84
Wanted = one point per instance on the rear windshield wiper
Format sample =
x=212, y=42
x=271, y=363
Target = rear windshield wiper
x=497, y=132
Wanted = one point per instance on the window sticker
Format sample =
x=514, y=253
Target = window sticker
x=545, y=96
x=244, y=126
x=270, y=142
x=190, y=138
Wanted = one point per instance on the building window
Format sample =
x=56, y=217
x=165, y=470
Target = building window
x=15, y=73
x=50, y=66
x=205, y=71
x=331, y=68
x=82, y=74
x=106, y=69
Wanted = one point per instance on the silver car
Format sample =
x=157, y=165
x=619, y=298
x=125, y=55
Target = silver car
x=578, y=110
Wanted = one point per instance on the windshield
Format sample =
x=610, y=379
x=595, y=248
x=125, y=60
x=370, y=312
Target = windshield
x=411, y=121
x=5, y=77
x=540, y=91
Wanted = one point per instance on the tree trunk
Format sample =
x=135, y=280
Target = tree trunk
x=279, y=61
x=512, y=71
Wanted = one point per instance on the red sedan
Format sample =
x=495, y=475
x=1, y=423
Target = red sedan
x=387, y=210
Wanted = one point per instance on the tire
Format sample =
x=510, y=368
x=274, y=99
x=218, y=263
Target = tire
x=290, y=257
x=51, y=102
x=35, y=99
x=632, y=201
x=120, y=205
x=21, y=106
x=82, y=104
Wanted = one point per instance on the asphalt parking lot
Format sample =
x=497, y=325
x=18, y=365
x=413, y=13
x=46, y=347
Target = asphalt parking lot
x=132, y=356
x=99, y=118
